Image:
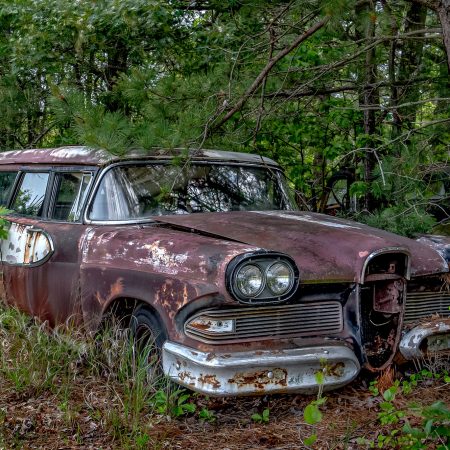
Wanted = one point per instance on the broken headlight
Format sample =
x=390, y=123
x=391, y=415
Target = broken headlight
x=262, y=278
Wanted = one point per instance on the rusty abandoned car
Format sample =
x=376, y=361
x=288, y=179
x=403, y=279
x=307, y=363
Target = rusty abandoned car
x=208, y=253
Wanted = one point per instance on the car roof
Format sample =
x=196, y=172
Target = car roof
x=86, y=156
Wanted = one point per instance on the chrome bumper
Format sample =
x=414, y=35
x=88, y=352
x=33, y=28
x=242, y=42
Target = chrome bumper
x=259, y=372
x=426, y=338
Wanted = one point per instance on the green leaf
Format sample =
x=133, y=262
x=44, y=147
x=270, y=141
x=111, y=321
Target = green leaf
x=256, y=417
x=389, y=394
x=320, y=377
x=311, y=414
x=310, y=440
x=189, y=407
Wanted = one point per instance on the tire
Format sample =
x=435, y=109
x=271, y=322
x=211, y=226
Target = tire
x=148, y=336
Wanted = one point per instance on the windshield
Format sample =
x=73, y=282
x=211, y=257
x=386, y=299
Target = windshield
x=139, y=191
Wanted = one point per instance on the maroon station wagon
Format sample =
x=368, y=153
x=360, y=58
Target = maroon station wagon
x=207, y=252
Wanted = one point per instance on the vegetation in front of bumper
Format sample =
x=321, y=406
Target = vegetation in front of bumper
x=414, y=426
x=35, y=360
x=93, y=393
x=312, y=414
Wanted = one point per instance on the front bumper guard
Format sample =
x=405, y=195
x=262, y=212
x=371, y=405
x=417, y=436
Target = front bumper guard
x=428, y=338
x=259, y=372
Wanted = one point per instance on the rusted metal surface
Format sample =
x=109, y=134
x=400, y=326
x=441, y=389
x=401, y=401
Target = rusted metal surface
x=427, y=337
x=439, y=243
x=388, y=296
x=265, y=371
x=326, y=249
x=43, y=277
x=182, y=267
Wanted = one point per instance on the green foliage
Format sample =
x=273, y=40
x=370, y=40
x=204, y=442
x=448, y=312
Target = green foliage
x=398, y=219
x=312, y=414
x=434, y=419
x=174, y=403
x=206, y=415
x=4, y=224
x=263, y=417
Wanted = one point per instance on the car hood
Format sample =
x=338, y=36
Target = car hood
x=325, y=248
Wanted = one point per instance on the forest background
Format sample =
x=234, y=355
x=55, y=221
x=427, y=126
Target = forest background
x=359, y=88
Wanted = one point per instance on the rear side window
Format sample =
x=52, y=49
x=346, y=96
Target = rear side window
x=71, y=190
x=7, y=180
x=29, y=199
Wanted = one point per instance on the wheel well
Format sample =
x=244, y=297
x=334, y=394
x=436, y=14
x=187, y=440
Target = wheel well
x=121, y=309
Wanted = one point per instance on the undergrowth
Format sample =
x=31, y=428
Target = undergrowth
x=102, y=382
x=35, y=359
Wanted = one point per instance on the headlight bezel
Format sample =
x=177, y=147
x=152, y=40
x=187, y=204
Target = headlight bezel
x=264, y=260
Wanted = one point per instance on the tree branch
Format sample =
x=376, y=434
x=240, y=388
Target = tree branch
x=263, y=74
x=323, y=90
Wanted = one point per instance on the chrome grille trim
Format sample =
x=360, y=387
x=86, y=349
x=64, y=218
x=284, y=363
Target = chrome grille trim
x=262, y=322
x=422, y=304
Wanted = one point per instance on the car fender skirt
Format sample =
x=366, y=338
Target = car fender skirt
x=260, y=372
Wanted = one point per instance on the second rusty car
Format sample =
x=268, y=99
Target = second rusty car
x=206, y=252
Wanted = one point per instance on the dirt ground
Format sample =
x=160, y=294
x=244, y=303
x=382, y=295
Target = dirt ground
x=85, y=419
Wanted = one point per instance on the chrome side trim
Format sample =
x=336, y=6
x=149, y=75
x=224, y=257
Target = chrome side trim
x=259, y=372
x=411, y=343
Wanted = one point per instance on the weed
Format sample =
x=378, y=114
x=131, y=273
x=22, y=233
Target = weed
x=312, y=414
x=172, y=403
x=264, y=417
x=435, y=419
x=206, y=415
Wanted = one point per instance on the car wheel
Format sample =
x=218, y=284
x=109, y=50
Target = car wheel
x=148, y=337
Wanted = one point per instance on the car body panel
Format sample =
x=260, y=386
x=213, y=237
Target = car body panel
x=326, y=249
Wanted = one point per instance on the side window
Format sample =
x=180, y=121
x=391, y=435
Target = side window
x=29, y=199
x=71, y=191
x=7, y=180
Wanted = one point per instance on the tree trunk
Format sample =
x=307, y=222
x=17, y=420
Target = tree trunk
x=366, y=17
x=409, y=67
x=443, y=10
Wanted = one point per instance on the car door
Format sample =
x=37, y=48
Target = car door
x=40, y=256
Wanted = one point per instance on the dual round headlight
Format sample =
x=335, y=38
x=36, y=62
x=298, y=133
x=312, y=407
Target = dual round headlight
x=275, y=278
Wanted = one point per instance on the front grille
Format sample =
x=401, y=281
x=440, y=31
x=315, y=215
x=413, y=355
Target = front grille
x=306, y=319
x=421, y=304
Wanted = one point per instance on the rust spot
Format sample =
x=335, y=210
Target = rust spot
x=388, y=296
x=334, y=370
x=186, y=377
x=115, y=290
x=209, y=379
x=260, y=378
x=210, y=356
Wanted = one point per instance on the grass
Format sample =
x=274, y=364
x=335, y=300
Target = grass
x=37, y=362
x=62, y=388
